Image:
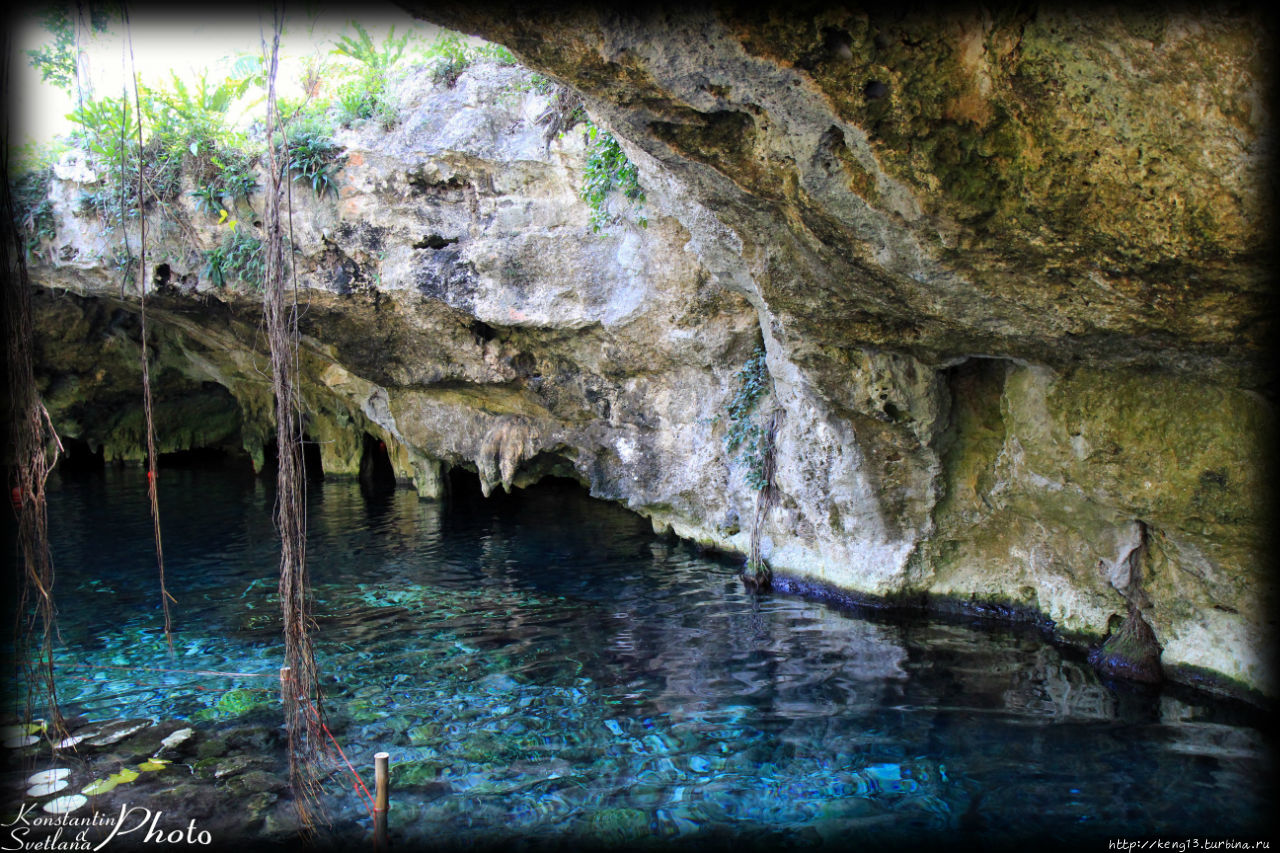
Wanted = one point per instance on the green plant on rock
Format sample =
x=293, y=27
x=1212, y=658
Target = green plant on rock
x=105, y=128
x=450, y=54
x=607, y=170
x=195, y=119
x=32, y=207
x=311, y=156
x=208, y=198
x=187, y=129
x=239, y=257
x=363, y=49
x=366, y=95
x=745, y=434
x=451, y=58
x=233, y=179
x=564, y=109
x=756, y=446
x=495, y=53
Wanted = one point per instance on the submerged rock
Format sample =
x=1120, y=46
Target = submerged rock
x=117, y=730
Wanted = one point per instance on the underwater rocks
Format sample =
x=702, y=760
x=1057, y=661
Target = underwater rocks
x=157, y=766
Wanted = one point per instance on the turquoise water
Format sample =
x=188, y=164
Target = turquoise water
x=542, y=667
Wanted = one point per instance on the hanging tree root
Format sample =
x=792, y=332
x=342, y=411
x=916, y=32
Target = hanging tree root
x=153, y=474
x=280, y=316
x=34, y=447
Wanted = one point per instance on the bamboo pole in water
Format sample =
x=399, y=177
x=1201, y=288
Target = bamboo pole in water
x=382, y=796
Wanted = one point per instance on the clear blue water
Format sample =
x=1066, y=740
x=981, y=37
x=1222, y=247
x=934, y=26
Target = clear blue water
x=541, y=666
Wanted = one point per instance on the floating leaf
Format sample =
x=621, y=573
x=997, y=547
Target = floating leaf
x=65, y=805
x=98, y=786
x=44, y=789
x=44, y=777
x=153, y=764
x=101, y=786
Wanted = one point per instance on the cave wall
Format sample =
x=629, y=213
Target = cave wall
x=1010, y=362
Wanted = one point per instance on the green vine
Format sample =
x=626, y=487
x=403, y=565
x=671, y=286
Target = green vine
x=607, y=169
x=746, y=434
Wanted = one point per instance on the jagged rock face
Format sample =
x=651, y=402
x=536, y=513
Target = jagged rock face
x=1042, y=184
x=986, y=388
x=904, y=195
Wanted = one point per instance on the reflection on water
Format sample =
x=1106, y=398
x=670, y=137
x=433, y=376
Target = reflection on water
x=541, y=666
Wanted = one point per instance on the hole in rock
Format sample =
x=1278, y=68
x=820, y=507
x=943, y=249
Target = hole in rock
x=838, y=44
x=313, y=469
x=377, y=474
x=465, y=493
x=79, y=457
x=525, y=365
x=162, y=276
x=483, y=331
x=434, y=241
x=205, y=458
x=875, y=90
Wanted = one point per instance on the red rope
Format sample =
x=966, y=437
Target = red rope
x=359, y=786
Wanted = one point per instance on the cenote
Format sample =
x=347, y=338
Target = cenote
x=544, y=670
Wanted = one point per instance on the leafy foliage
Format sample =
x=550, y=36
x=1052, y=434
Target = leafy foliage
x=311, y=156
x=607, y=169
x=187, y=128
x=451, y=58
x=194, y=119
x=234, y=179
x=452, y=55
x=363, y=49
x=238, y=258
x=32, y=208
x=496, y=53
x=106, y=128
x=56, y=61
x=366, y=96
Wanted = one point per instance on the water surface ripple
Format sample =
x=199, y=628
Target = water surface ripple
x=541, y=666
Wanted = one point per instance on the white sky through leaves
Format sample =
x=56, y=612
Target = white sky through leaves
x=184, y=44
